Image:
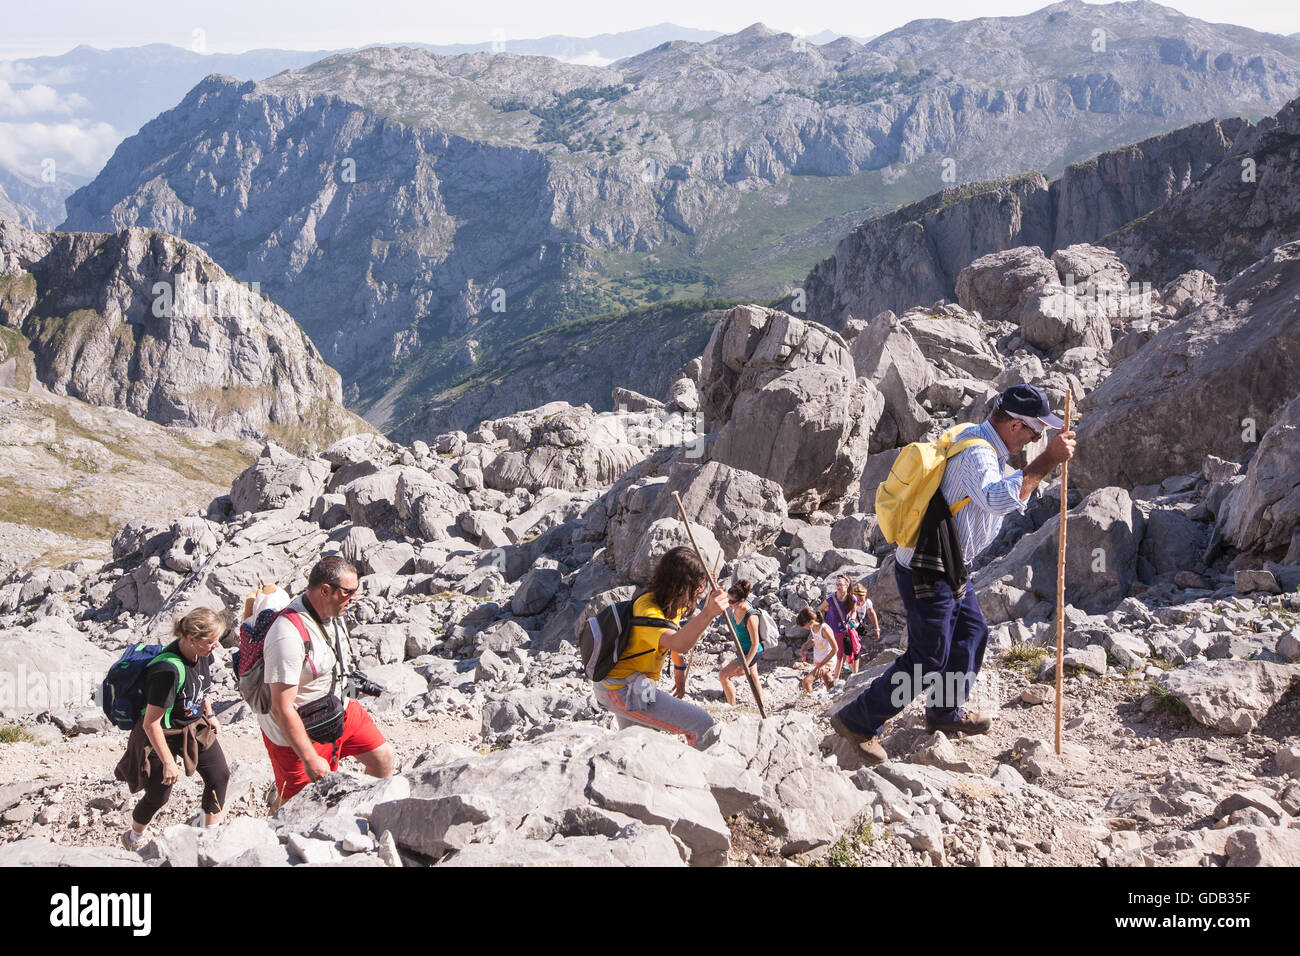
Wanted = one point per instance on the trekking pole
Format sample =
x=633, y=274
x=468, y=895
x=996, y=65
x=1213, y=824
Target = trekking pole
x=691, y=657
x=1060, y=590
x=713, y=583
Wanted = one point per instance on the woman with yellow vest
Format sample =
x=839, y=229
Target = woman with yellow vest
x=629, y=691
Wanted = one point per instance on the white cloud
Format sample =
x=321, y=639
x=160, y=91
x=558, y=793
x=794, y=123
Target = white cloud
x=74, y=148
x=590, y=58
x=16, y=102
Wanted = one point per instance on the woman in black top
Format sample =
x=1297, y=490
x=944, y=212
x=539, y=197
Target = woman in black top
x=177, y=716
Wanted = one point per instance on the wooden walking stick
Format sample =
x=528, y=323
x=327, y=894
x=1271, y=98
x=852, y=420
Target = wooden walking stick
x=690, y=659
x=713, y=584
x=1060, y=589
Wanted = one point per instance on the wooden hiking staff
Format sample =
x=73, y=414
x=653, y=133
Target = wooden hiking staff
x=713, y=585
x=1060, y=589
x=690, y=658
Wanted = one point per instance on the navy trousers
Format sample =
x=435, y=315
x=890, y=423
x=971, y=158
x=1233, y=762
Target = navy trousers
x=945, y=648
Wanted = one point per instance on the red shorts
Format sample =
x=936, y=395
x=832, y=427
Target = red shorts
x=360, y=735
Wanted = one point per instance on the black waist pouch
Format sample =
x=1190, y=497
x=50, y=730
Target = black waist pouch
x=323, y=719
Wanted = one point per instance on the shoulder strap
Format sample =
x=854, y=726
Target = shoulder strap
x=956, y=449
x=179, y=664
x=290, y=614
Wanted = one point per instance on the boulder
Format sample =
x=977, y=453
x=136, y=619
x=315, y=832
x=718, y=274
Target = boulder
x=806, y=802
x=527, y=712
x=582, y=782
x=1104, y=533
x=997, y=285
x=793, y=382
x=1262, y=513
x=660, y=538
x=560, y=446
x=886, y=355
x=279, y=480
x=537, y=589
x=635, y=845
x=1230, y=696
x=49, y=665
x=1242, y=347
x=37, y=851
x=955, y=338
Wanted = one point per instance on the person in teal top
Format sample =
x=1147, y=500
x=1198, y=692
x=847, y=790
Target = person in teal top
x=744, y=624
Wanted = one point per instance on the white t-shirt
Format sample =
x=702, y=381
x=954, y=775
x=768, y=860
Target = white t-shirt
x=823, y=643
x=286, y=662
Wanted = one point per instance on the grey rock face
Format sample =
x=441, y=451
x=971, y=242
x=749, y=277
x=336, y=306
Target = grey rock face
x=1235, y=213
x=791, y=406
x=148, y=323
x=1262, y=513
x=1240, y=348
x=1103, y=533
x=916, y=253
x=279, y=480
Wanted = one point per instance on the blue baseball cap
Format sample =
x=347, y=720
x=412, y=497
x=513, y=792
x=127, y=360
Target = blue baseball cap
x=1029, y=404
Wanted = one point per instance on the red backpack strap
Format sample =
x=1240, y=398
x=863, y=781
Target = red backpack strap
x=296, y=617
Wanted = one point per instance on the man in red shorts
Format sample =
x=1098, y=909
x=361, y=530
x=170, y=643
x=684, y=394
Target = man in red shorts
x=305, y=659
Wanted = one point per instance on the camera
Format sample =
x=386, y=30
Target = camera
x=361, y=684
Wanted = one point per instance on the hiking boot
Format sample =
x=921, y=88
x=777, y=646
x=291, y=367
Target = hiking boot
x=867, y=746
x=965, y=724
x=134, y=841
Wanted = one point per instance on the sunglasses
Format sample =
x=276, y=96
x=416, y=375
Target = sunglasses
x=1037, y=434
x=347, y=592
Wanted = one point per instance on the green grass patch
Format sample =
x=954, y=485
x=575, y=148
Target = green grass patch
x=22, y=507
x=847, y=848
x=13, y=734
x=1024, y=657
x=1169, y=705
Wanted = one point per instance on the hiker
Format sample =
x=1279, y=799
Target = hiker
x=864, y=609
x=177, y=724
x=838, y=610
x=743, y=622
x=821, y=641
x=311, y=726
x=628, y=690
x=946, y=632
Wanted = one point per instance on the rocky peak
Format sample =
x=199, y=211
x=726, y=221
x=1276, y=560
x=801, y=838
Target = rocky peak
x=148, y=323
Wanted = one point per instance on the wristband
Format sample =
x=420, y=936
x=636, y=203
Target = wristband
x=679, y=667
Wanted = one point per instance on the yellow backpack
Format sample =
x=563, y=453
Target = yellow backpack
x=901, y=499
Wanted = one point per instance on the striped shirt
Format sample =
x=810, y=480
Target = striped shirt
x=976, y=473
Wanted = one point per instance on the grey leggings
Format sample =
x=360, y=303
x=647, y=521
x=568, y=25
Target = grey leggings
x=665, y=713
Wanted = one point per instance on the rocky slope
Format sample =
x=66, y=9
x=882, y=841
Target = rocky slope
x=148, y=323
x=72, y=474
x=481, y=553
x=915, y=253
x=371, y=188
x=1237, y=212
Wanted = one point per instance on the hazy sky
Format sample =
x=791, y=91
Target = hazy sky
x=55, y=26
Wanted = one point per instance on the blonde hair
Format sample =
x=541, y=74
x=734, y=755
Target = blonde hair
x=202, y=624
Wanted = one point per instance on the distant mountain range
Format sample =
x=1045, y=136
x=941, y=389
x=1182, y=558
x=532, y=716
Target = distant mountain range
x=419, y=214
x=99, y=97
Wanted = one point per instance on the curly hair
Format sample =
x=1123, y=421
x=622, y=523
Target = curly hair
x=677, y=579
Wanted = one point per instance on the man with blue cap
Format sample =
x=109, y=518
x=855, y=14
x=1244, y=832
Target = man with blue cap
x=946, y=632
